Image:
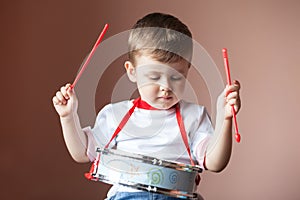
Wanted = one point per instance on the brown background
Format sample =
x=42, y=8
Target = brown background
x=44, y=42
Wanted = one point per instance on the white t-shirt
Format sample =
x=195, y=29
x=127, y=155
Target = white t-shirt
x=152, y=132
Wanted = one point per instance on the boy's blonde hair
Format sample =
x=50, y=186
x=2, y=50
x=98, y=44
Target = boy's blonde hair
x=163, y=37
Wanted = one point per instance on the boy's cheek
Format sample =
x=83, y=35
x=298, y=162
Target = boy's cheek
x=145, y=83
x=147, y=88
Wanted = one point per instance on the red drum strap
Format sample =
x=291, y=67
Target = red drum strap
x=142, y=104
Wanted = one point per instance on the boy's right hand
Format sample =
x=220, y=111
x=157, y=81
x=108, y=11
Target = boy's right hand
x=65, y=101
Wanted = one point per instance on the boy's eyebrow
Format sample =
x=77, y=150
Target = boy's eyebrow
x=181, y=71
x=158, y=72
x=153, y=72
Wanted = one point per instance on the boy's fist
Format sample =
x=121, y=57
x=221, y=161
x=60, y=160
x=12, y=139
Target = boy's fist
x=65, y=101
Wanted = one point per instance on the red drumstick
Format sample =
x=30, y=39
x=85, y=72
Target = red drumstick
x=226, y=64
x=90, y=55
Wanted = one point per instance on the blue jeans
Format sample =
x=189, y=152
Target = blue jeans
x=141, y=196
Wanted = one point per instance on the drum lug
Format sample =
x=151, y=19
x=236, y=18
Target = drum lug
x=154, y=161
x=150, y=189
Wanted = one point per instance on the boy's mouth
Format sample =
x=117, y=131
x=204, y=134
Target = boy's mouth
x=165, y=97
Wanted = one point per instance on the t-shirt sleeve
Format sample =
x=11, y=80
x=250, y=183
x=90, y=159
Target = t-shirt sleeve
x=201, y=136
x=100, y=134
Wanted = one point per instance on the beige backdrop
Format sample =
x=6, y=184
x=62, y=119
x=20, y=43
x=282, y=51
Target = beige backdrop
x=44, y=42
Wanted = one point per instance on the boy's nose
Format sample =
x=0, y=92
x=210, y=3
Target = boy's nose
x=165, y=85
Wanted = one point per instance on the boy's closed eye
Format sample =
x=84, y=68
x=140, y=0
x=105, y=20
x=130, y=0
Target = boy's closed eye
x=154, y=78
x=157, y=76
x=176, y=77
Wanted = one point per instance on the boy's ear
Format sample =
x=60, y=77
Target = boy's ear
x=131, y=72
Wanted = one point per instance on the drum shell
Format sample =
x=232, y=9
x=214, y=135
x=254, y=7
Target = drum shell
x=129, y=169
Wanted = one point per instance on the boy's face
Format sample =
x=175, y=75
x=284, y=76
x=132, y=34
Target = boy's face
x=160, y=85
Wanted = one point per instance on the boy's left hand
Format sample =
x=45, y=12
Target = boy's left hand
x=230, y=97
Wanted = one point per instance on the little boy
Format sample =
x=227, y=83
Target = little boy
x=160, y=51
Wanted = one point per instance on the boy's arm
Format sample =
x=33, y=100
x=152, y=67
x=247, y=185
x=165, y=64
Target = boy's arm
x=219, y=151
x=75, y=138
x=66, y=103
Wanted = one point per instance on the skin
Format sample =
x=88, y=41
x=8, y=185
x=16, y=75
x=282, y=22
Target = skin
x=160, y=85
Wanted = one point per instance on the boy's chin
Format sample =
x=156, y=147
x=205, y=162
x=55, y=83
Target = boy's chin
x=165, y=105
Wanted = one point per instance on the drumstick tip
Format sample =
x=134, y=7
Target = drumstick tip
x=238, y=137
x=224, y=50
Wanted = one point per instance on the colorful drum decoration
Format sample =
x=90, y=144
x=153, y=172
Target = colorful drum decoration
x=146, y=173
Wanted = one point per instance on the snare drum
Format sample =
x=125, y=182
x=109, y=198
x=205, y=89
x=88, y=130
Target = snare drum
x=146, y=173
